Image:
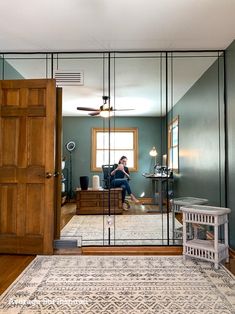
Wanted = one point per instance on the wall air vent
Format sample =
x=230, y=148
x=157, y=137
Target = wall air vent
x=69, y=78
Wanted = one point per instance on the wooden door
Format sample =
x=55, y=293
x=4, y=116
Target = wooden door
x=27, y=127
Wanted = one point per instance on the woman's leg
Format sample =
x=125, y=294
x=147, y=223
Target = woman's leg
x=125, y=188
x=125, y=184
x=119, y=184
x=134, y=199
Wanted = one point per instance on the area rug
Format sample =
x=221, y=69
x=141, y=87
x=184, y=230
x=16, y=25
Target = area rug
x=124, y=229
x=120, y=284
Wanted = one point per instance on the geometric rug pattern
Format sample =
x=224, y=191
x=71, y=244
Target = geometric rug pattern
x=124, y=229
x=122, y=285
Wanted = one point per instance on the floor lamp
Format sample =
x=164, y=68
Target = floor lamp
x=70, y=146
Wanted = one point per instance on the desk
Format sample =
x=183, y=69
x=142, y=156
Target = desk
x=90, y=202
x=159, y=179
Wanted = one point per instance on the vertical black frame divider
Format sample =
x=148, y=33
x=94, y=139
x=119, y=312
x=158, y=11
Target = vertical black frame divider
x=162, y=144
x=52, y=65
x=109, y=129
x=3, y=67
x=114, y=128
x=103, y=78
x=222, y=131
x=225, y=129
x=166, y=130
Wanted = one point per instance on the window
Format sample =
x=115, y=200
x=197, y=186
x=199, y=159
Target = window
x=108, y=147
x=173, y=144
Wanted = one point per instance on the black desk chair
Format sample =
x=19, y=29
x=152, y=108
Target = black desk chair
x=107, y=169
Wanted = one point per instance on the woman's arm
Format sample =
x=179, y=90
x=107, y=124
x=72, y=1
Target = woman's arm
x=126, y=172
x=112, y=173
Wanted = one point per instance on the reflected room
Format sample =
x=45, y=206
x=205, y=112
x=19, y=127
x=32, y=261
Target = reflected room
x=163, y=112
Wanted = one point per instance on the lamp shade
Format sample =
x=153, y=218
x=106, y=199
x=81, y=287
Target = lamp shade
x=153, y=152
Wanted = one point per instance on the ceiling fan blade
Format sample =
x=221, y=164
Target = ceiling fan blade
x=87, y=109
x=122, y=109
x=94, y=113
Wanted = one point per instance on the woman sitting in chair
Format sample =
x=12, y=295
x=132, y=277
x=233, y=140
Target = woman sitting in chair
x=119, y=178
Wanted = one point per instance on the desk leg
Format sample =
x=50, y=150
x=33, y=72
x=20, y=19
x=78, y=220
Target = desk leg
x=226, y=238
x=154, y=191
x=173, y=222
x=159, y=198
x=160, y=194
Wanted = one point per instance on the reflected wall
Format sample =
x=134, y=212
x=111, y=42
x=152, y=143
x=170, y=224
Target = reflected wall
x=200, y=114
x=25, y=66
x=138, y=83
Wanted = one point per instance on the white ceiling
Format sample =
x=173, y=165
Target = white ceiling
x=109, y=25
x=67, y=25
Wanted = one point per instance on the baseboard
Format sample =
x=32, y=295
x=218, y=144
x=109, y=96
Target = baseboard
x=232, y=253
x=137, y=250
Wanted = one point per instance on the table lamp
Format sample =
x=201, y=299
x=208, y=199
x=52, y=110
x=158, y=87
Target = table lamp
x=153, y=153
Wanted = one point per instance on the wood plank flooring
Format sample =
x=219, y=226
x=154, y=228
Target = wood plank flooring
x=68, y=210
x=11, y=267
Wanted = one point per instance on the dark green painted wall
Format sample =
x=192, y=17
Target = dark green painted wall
x=230, y=90
x=201, y=134
x=78, y=129
x=7, y=72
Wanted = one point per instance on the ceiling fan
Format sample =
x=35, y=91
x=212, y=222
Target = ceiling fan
x=104, y=110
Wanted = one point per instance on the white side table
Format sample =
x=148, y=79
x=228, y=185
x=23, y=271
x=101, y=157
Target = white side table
x=210, y=250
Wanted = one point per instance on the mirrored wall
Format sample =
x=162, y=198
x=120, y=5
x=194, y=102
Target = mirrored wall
x=165, y=115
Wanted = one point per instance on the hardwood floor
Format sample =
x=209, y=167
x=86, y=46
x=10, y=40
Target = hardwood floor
x=11, y=267
x=68, y=210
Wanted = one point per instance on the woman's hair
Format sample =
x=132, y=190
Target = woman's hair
x=123, y=157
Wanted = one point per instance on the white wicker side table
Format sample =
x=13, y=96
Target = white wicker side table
x=210, y=250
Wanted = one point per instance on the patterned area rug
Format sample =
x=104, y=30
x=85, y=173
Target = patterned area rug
x=120, y=284
x=124, y=229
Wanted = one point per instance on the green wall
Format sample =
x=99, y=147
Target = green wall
x=7, y=72
x=78, y=129
x=230, y=90
x=201, y=134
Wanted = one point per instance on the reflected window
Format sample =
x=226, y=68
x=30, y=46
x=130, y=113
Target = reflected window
x=108, y=147
x=173, y=144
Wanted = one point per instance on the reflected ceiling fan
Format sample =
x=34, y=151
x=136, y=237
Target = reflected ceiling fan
x=104, y=111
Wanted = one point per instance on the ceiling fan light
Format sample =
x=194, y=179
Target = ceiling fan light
x=106, y=113
x=105, y=107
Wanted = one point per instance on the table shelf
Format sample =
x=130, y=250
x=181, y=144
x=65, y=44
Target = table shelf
x=205, y=244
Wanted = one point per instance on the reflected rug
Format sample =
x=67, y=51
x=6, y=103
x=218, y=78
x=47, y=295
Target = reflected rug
x=120, y=284
x=124, y=229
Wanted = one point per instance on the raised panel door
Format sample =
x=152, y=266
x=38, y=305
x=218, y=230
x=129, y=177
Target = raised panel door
x=27, y=154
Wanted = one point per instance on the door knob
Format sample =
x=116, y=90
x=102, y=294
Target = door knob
x=48, y=175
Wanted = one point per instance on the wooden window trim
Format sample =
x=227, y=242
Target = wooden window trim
x=170, y=125
x=94, y=144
